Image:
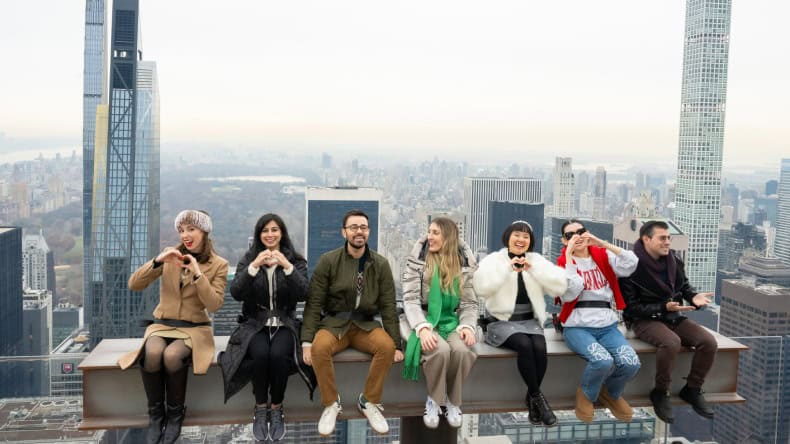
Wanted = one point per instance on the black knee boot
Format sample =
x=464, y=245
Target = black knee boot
x=154, y=384
x=176, y=396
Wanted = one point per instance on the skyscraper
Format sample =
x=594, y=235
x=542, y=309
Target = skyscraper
x=125, y=220
x=10, y=290
x=703, y=99
x=325, y=210
x=36, y=268
x=599, y=194
x=563, y=187
x=93, y=94
x=782, y=240
x=502, y=214
x=761, y=316
x=479, y=191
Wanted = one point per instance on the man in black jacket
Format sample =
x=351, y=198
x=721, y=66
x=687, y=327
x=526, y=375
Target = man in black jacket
x=654, y=296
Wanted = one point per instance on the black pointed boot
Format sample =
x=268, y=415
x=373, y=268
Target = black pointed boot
x=694, y=397
x=662, y=405
x=544, y=414
x=154, y=384
x=176, y=410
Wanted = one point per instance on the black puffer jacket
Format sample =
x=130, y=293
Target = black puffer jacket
x=645, y=300
x=254, y=294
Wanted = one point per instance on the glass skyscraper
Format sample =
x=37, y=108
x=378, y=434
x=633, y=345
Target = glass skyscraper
x=125, y=221
x=93, y=94
x=703, y=98
x=325, y=210
x=479, y=191
x=782, y=242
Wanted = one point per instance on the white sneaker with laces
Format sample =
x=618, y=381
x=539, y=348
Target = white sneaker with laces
x=454, y=415
x=373, y=413
x=431, y=415
x=326, y=425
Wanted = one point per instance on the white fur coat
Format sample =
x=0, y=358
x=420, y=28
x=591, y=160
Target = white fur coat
x=495, y=282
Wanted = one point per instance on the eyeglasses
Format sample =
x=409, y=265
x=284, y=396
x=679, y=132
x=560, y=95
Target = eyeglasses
x=569, y=234
x=362, y=228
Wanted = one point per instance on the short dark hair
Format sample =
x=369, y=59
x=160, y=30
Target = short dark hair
x=650, y=226
x=568, y=222
x=522, y=226
x=354, y=212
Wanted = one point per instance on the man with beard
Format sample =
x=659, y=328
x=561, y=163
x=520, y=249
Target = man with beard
x=654, y=296
x=351, y=285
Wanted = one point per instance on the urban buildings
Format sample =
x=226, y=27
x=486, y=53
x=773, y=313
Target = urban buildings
x=758, y=316
x=325, y=210
x=782, y=242
x=38, y=263
x=479, y=191
x=502, y=214
x=125, y=212
x=226, y=318
x=563, y=187
x=599, y=194
x=36, y=343
x=703, y=100
x=93, y=94
x=10, y=291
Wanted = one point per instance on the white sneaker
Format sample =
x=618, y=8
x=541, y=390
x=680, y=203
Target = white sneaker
x=373, y=413
x=454, y=415
x=431, y=415
x=326, y=425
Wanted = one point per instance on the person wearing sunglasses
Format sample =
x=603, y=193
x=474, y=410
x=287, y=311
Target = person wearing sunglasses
x=589, y=319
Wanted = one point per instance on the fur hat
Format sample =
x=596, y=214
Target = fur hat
x=196, y=218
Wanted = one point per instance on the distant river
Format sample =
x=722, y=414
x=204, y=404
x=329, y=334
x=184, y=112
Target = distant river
x=271, y=179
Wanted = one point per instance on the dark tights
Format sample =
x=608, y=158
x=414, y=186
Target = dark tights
x=272, y=358
x=532, y=359
x=173, y=353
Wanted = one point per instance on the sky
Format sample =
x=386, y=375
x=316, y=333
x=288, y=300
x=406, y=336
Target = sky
x=516, y=80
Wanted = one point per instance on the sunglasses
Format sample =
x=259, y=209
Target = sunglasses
x=569, y=234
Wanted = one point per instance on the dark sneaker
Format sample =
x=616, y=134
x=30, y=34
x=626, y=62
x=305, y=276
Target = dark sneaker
x=276, y=424
x=544, y=414
x=260, y=423
x=662, y=405
x=694, y=397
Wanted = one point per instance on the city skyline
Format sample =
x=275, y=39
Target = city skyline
x=501, y=78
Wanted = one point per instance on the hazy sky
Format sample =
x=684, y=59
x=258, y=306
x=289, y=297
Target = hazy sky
x=515, y=78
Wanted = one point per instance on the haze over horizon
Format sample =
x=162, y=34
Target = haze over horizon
x=519, y=81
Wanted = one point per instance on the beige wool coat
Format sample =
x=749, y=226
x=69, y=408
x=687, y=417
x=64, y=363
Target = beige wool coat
x=190, y=303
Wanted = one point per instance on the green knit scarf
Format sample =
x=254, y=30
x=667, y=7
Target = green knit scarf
x=441, y=315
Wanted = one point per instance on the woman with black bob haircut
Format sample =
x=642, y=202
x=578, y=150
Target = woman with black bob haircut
x=512, y=282
x=270, y=280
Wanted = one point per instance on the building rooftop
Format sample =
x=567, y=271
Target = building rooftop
x=44, y=420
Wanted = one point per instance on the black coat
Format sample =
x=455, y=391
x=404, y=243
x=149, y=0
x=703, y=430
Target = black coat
x=646, y=300
x=237, y=369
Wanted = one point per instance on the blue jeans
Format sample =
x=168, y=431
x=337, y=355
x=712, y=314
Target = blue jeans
x=610, y=359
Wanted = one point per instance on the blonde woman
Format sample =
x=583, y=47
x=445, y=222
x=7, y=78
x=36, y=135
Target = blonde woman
x=441, y=309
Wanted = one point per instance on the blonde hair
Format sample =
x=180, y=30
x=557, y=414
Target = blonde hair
x=447, y=258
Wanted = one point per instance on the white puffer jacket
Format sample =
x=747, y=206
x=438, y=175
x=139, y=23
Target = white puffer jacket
x=495, y=282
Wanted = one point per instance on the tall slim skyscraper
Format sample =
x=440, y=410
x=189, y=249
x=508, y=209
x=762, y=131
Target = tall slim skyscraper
x=563, y=187
x=479, y=191
x=126, y=184
x=93, y=94
x=703, y=99
x=599, y=194
x=782, y=240
x=325, y=210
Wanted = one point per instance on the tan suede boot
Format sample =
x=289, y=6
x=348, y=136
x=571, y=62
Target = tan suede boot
x=619, y=407
x=584, y=407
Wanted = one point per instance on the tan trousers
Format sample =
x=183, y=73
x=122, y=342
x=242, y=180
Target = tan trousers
x=446, y=367
x=376, y=342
